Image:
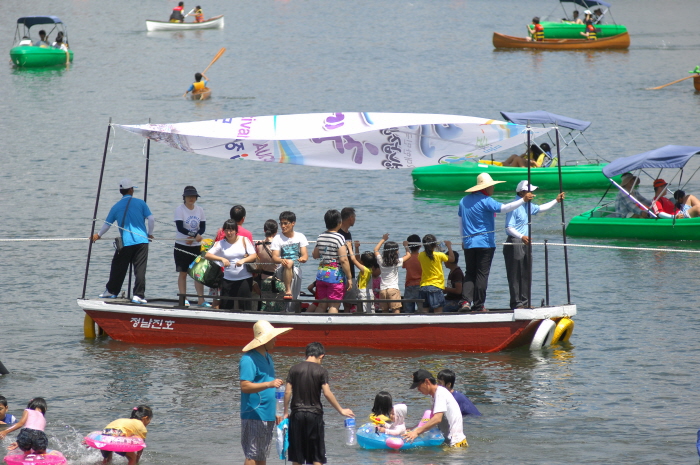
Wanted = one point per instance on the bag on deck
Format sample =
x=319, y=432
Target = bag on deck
x=206, y=272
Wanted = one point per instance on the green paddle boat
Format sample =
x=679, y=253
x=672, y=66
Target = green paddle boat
x=28, y=53
x=568, y=29
x=603, y=221
x=584, y=174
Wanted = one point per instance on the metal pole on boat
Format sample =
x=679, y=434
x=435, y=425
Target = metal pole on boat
x=529, y=216
x=97, y=203
x=563, y=219
x=546, y=272
x=148, y=159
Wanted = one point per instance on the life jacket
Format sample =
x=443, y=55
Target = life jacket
x=539, y=32
x=592, y=34
x=199, y=86
x=176, y=16
x=199, y=16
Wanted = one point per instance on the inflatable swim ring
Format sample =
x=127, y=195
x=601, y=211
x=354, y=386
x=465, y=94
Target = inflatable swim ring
x=101, y=441
x=563, y=331
x=368, y=438
x=543, y=336
x=51, y=457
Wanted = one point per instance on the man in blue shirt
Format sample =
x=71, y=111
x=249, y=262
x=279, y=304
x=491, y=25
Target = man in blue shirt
x=517, y=256
x=477, y=212
x=258, y=384
x=130, y=214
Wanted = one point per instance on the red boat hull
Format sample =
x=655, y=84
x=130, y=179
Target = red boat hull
x=484, y=332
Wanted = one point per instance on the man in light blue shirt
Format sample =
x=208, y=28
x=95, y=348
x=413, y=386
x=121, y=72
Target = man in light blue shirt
x=130, y=214
x=477, y=212
x=258, y=384
x=517, y=256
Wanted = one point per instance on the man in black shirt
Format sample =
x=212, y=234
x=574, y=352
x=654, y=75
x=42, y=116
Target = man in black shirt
x=305, y=383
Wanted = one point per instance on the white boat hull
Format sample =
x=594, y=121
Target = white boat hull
x=216, y=22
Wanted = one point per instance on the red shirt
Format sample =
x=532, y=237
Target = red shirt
x=413, y=270
x=664, y=205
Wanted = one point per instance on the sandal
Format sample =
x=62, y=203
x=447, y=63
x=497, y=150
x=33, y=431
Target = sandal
x=288, y=297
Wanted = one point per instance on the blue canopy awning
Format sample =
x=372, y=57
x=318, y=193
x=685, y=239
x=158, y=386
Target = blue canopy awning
x=587, y=3
x=671, y=156
x=544, y=117
x=30, y=21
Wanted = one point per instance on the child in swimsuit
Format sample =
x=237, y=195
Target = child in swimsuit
x=398, y=421
x=31, y=437
x=126, y=427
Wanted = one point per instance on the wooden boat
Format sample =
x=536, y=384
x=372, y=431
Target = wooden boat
x=161, y=322
x=696, y=83
x=620, y=41
x=461, y=176
x=557, y=30
x=217, y=22
x=604, y=222
x=203, y=94
x=30, y=56
x=167, y=321
x=575, y=174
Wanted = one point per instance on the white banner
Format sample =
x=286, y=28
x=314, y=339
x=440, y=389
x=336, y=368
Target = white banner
x=368, y=141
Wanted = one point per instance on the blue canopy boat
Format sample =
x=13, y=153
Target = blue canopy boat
x=603, y=221
x=26, y=55
x=576, y=174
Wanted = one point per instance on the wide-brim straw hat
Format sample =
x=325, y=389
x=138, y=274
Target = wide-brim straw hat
x=482, y=182
x=264, y=332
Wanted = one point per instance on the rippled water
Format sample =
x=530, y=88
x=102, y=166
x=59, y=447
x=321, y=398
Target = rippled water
x=622, y=392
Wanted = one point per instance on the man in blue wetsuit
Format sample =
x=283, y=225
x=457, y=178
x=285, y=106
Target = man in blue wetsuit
x=477, y=212
x=516, y=255
x=130, y=215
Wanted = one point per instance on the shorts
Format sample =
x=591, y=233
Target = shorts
x=410, y=292
x=256, y=437
x=184, y=256
x=32, y=439
x=329, y=291
x=306, y=438
x=433, y=297
x=452, y=306
x=389, y=294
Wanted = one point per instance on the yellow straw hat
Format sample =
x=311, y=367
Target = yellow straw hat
x=264, y=332
x=482, y=182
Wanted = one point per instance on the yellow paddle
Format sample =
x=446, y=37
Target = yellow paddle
x=218, y=55
x=695, y=72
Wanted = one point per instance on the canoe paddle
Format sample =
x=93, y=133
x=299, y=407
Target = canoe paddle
x=695, y=72
x=218, y=55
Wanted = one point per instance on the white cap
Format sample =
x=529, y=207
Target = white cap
x=522, y=186
x=587, y=12
x=126, y=184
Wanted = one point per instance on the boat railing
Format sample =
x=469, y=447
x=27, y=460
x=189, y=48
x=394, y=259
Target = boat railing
x=297, y=308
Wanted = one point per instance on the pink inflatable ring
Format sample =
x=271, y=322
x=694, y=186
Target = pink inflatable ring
x=101, y=441
x=51, y=457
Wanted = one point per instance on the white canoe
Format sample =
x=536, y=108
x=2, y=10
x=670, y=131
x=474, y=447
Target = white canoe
x=217, y=22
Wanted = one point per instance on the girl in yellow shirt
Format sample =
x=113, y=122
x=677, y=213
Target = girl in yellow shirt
x=432, y=280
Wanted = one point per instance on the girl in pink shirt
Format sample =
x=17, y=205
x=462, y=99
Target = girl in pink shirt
x=31, y=436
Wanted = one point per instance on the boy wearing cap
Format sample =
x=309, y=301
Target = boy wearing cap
x=446, y=413
x=517, y=256
x=305, y=383
x=130, y=214
x=662, y=206
x=477, y=212
x=258, y=384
